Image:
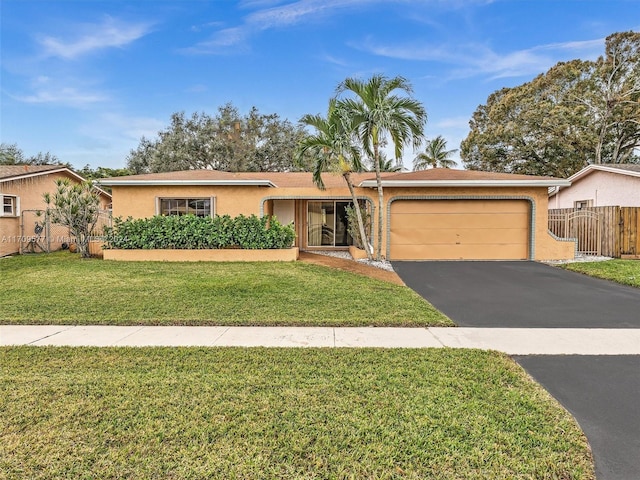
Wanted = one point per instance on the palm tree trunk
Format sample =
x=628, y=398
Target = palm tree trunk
x=376, y=162
x=356, y=205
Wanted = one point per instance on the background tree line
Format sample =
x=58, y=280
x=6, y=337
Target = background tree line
x=227, y=141
x=577, y=113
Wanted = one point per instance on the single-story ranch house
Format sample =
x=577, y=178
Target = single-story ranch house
x=431, y=214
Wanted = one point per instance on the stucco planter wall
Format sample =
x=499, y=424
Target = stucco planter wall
x=221, y=255
x=357, y=253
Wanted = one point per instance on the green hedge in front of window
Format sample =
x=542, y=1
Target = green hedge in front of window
x=190, y=232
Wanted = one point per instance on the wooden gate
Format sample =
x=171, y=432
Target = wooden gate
x=581, y=225
x=629, y=224
x=618, y=229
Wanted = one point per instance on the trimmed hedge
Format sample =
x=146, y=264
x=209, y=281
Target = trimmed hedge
x=190, y=232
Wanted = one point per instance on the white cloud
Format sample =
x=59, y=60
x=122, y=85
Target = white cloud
x=453, y=122
x=129, y=127
x=223, y=41
x=106, y=139
x=197, y=88
x=110, y=33
x=268, y=16
x=303, y=10
x=335, y=60
x=66, y=96
x=67, y=92
x=477, y=59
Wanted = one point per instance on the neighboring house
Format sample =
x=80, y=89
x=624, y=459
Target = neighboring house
x=21, y=195
x=599, y=186
x=431, y=214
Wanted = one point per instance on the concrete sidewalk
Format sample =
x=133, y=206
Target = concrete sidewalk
x=513, y=341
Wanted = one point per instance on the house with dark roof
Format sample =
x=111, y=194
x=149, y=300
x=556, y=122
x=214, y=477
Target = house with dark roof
x=21, y=195
x=431, y=214
x=599, y=186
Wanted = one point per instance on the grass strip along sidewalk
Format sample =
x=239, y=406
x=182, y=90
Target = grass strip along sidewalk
x=279, y=413
x=62, y=288
x=626, y=272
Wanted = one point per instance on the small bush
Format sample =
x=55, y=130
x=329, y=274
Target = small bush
x=188, y=232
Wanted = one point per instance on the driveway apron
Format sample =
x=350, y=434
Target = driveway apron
x=522, y=295
x=601, y=392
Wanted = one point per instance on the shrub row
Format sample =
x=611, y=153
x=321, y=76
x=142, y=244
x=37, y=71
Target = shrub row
x=191, y=232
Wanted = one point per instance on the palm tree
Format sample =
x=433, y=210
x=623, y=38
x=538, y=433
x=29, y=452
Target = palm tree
x=378, y=113
x=388, y=164
x=435, y=155
x=332, y=148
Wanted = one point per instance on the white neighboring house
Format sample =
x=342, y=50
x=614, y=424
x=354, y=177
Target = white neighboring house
x=599, y=186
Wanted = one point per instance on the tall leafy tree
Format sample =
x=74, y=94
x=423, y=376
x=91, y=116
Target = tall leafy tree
x=435, y=154
x=536, y=128
x=612, y=98
x=382, y=110
x=11, y=154
x=577, y=113
x=228, y=141
x=331, y=148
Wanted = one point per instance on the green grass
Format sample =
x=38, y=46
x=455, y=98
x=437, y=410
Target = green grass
x=626, y=272
x=229, y=413
x=62, y=288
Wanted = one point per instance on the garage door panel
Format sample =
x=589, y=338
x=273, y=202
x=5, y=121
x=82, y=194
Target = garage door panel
x=458, y=252
x=459, y=229
x=407, y=236
x=456, y=220
x=456, y=206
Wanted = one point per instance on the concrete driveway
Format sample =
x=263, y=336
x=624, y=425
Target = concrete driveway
x=522, y=295
x=602, y=391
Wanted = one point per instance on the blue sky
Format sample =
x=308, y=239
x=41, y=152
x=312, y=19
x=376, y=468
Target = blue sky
x=85, y=79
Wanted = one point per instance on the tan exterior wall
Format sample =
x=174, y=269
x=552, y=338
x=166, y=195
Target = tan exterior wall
x=222, y=255
x=30, y=193
x=9, y=235
x=140, y=202
x=31, y=189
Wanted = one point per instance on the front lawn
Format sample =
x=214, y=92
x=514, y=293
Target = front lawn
x=62, y=288
x=626, y=272
x=230, y=413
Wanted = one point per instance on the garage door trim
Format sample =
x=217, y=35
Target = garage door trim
x=532, y=217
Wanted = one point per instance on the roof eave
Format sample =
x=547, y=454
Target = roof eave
x=37, y=174
x=603, y=168
x=466, y=183
x=142, y=183
x=54, y=170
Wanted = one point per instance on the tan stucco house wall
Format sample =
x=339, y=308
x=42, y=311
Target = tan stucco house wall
x=24, y=187
x=288, y=194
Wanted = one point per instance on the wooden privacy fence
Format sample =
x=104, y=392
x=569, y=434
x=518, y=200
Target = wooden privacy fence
x=608, y=231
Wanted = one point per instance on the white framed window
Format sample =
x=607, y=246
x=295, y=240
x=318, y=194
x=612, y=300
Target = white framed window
x=580, y=204
x=198, y=206
x=10, y=206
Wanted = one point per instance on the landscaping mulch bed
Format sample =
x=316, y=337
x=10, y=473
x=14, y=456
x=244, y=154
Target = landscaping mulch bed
x=351, y=266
